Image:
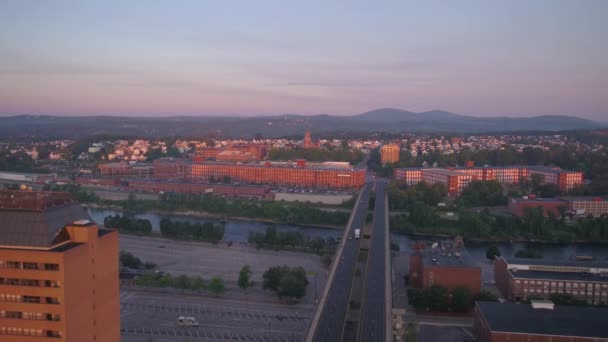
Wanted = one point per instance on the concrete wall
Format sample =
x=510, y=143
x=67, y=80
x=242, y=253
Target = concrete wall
x=313, y=198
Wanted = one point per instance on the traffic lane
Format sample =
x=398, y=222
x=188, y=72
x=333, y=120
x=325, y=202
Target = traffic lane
x=373, y=320
x=330, y=325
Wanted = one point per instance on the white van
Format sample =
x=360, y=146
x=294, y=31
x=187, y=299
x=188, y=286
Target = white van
x=183, y=321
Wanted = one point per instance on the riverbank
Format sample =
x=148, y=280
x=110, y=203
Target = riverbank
x=207, y=215
x=505, y=240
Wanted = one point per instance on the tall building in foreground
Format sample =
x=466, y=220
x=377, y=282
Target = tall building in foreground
x=389, y=153
x=58, y=271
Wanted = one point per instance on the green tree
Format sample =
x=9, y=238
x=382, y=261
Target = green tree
x=437, y=298
x=216, y=286
x=245, y=281
x=272, y=277
x=129, y=260
x=485, y=296
x=566, y=299
x=165, y=281
x=461, y=299
x=292, y=286
x=147, y=279
x=326, y=260
x=197, y=284
x=492, y=252
x=183, y=282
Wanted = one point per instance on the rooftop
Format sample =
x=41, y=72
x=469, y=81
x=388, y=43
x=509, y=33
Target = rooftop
x=560, y=321
x=551, y=262
x=445, y=253
x=445, y=172
x=36, y=219
x=32, y=200
x=574, y=276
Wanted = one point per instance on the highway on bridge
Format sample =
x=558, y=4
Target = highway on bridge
x=331, y=320
x=373, y=320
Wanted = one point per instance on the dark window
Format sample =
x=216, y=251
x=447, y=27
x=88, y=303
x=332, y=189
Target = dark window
x=52, y=300
x=30, y=265
x=51, y=267
x=30, y=299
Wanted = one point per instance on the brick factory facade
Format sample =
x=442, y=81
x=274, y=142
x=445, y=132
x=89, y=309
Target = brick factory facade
x=58, y=271
x=410, y=176
x=199, y=188
x=584, y=206
x=124, y=169
x=233, y=153
x=444, y=264
x=98, y=181
x=456, y=178
x=539, y=322
x=521, y=279
x=549, y=206
x=389, y=153
x=169, y=168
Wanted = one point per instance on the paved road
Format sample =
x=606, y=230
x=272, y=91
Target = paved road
x=374, y=308
x=334, y=311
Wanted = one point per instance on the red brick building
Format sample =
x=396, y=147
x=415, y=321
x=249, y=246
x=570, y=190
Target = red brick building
x=565, y=180
x=389, y=153
x=458, y=178
x=539, y=322
x=169, y=168
x=454, y=181
x=445, y=264
x=550, y=206
x=232, y=153
x=124, y=169
x=519, y=279
x=410, y=176
x=99, y=181
x=584, y=206
x=147, y=185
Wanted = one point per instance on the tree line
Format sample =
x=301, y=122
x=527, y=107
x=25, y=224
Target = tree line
x=439, y=298
x=533, y=225
x=280, y=212
x=593, y=162
x=128, y=224
x=196, y=231
x=275, y=239
x=316, y=154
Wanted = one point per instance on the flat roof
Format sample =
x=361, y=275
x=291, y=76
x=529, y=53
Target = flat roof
x=446, y=172
x=448, y=256
x=575, y=321
x=585, y=198
x=539, y=200
x=574, y=276
x=551, y=262
x=262, y=165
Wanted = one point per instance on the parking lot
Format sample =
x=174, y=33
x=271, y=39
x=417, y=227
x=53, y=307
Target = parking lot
x=150, y=314
x=207, y=260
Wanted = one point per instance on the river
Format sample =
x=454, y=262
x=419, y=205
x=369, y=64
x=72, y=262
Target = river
x=238, y=231
x=234, y=230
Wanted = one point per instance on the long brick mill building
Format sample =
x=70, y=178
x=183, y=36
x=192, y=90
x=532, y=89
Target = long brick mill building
x=456, y=179
x=539, y=322
x=58, y=271
x=267, y=173
x=521, y=279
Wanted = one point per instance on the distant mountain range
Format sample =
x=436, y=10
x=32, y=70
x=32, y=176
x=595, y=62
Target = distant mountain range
x=379, y=120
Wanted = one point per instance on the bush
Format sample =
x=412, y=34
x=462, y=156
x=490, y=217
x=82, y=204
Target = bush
x=128, y=224
x=286, y=281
